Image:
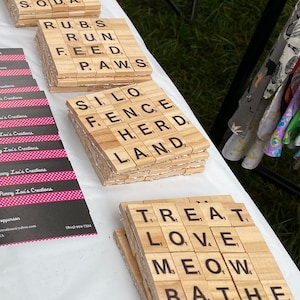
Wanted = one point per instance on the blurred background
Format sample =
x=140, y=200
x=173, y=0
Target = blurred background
x=201, y=55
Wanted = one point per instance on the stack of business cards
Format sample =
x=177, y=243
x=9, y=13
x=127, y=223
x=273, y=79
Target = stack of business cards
x=205, y=247
x=86, y=54
x=137, y=133
x=28, y=12
x=40, y=197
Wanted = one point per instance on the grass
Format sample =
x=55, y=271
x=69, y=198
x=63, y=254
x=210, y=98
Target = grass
x=201, y=57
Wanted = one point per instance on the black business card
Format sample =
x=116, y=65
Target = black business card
x=45, y=221
x=34, y=167
x=14, y=132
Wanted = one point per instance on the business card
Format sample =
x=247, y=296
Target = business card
x=18, y=84
x=22, y=96
x=32, y=184
x=21, y=113
x=12, y=54
x=25, y=131
x=45, y=221
x=14, y=68
x=21, y=168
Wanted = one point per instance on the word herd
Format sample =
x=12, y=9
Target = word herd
x=205, y=247
x=137, y=133
x=28, y=12
x=85, y=54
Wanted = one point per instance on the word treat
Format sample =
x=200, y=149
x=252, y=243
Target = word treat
x=89, y=54
x=137, y=133
x=28, y=12
x=204, y=248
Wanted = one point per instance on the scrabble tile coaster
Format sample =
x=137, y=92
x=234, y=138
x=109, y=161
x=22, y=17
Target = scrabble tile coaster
x=137, y=133
x=89, y=54
x=160, y=239
x=28, y=12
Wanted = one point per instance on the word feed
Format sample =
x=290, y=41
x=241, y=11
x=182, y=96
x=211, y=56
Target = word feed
x=137, y=133
x=28, y=12
x=198, y=248
x=83, y=54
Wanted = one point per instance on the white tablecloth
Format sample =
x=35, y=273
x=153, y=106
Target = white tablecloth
x=91, y=267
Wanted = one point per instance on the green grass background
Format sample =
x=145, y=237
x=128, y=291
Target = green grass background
x=201, y=57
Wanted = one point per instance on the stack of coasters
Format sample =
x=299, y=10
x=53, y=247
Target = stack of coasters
x=40, y=197
x=197, y=248
x=137, y=133
x=85, y=54
x=28, y=12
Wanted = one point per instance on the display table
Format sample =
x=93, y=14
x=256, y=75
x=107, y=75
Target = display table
x=91, y=267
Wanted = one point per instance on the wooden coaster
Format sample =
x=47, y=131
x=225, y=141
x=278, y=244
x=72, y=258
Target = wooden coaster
x=88, y=54
x=162, y=237
x=28, y=12
x=133, y=136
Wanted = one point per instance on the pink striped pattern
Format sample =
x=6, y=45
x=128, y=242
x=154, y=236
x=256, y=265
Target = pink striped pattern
x=33, y=155
x=38, y=178
x=24, y=103
x=30, y=139
x=40, y=198
x=9, y=57
x=27, y=122
x=22, y=89
x=15, y=72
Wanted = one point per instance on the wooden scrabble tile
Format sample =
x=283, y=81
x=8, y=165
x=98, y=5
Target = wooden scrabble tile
x=167, y=214
x=66, y=68
x=202, y=238
x=152, y=239
x=28, y=9
x=177, y=239
x=140, y=154
x=224, y=289
x=277, y=289
x=187, y=266
x=240, y=267
x=92, y=122
x=212, y=198
x=42, y=8
x=161, y=266
x=158, y=149
x=106, y=139
x=120, y=160
x=213, y=266
x=81, y=106
x=251, y=290
x=214, y=214
x=197, y=289
x=165, y=290
x=252, y=239
x=238, y=214
x=265, y=266
x=190, y=214
x=227, y=239
x=142, y=215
